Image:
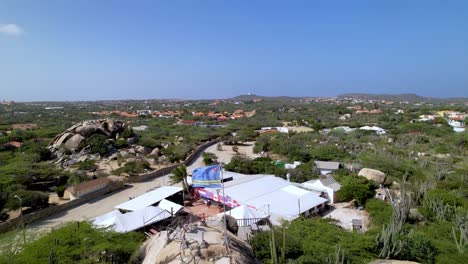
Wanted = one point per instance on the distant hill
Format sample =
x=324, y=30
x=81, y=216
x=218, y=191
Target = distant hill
x=251, y=97
x=401, y=97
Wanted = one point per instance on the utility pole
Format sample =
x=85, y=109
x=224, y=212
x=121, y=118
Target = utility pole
x=21, y=215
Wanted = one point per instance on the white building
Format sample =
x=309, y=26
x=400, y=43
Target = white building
x=378, y=130
x=326, y=167
x=271, y=195
x=324, y=184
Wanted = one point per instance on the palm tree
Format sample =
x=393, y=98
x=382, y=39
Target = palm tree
x=179, y=174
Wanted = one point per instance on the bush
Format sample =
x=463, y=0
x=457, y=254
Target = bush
x=97, y=143
x=87, y=165
x=133, y=167
x=121, y=143
x=127, y=133
x=60, y=190
x=418, y=248
x=356, y=187
x=379, y=211
x=255, y=166
x=209, y=158
x=148, y=142
x=33, y=199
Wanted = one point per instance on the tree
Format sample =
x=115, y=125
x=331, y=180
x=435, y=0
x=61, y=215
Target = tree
x=97, y=144
x=60, y=190
x=179, y=174
x=356, y=187
x=33, y=199
x=209, y=158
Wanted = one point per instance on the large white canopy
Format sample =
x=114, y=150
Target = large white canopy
x=245, y=212
x=272, y=195
x=168, y=205
x=131, y=221
x=149, y=198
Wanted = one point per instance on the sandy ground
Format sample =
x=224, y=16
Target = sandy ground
x=106, y=204
x=345, y=215
x=225, y=154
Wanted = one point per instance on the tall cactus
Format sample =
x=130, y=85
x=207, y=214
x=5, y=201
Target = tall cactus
x=460, y=223
x=389, y=237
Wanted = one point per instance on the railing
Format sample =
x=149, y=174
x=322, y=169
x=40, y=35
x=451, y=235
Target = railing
x=248, y=221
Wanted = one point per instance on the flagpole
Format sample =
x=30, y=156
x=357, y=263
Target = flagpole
x=224, y=205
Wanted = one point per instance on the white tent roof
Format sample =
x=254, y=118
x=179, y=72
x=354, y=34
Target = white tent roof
x=245, y=190
x=285, y=201
x=132, y=220
x=245, y=212
x=167, y=205
x=149, y=198
x=107, y=219
x=288, y=202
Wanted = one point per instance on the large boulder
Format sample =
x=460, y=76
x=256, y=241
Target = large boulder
x=143, y=150
x=73, y=143
x=373, y=175
x=82, y=130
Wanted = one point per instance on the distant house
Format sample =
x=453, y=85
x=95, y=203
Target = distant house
x=221, y=118
x=187, y=122
x=144, y=112
x=198, y=114
x=274, y=129
x=325, y=184
x=15, y=144
x=326, y=167
x=378, y=130
x=28, y=126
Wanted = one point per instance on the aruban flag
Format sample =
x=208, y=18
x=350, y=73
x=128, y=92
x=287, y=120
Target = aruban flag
x=207, y=177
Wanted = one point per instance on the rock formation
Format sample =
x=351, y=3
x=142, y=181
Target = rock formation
x=71, y=138
x=373, y=175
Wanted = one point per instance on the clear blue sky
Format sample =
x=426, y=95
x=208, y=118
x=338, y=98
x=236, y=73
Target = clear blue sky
x=96, y=49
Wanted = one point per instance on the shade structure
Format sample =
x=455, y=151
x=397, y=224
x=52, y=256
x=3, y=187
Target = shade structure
x=149, y=198
x=246, y=212
x=131, y=221
x=169, y=206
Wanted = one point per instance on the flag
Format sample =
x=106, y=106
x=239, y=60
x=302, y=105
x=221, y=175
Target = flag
x=207, y=177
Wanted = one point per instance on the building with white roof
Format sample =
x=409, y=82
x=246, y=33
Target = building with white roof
x=325, y=184
x=276, y=197
x=149, y=198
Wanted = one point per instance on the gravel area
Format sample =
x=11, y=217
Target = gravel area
x=345, y=215
x=225, y=155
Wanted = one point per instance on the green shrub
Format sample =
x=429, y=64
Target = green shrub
x=60, y=190
x=86, y=165
x=97, y=143
x=33, y=199
x=133, y=167
x=379, y=211
x=209, y=158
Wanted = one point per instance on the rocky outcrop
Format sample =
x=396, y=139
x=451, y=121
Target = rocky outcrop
x=71, y=138
x=199, y=244
x=373, y=175
x=74, y=142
